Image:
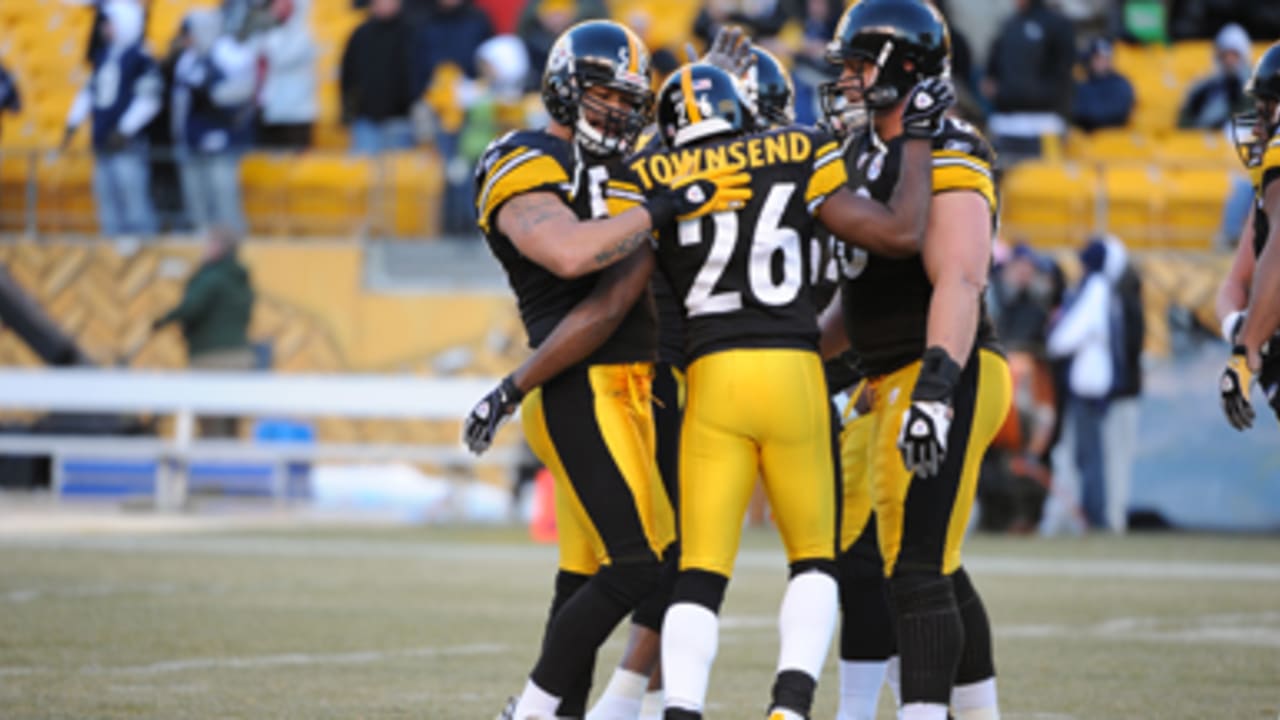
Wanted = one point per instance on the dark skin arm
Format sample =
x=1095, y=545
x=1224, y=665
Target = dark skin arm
x=834, y=338
x=894, y=229
x=1262, y=319
x=590, y=323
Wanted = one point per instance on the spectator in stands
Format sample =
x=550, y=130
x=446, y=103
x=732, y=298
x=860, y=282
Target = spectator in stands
x=10, y=99
x=214, y=313
x=811, y=69
x=1029, y=79
x=1083, y=332
x=969, y=102
x=1129, y=326
x=450, y=36
x=1212, y=100
x=1104, y=98
x=122, y=96
x=1022, y=292
x=546, y=19
x=494, y=105
x=212, y=115
x=287, y=103
x=378, y=81
x=763, y=19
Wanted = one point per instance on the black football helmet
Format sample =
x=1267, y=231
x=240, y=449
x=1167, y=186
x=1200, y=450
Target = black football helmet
x=1252, y=130
x=701, y=101
x=905, y=40
x=768, y=90
x=598, y=53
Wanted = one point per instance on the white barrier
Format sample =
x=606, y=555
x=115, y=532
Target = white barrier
x=187, y=395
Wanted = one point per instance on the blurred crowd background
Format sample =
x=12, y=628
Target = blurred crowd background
x=289, y=183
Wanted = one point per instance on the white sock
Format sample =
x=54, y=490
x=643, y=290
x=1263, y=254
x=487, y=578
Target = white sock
x=860, y=682
x=806, y=622
x=924, y=711
x=536, y=703
x=976, y=701
x=621, y=697
x=893, y=676
x=690, y=636
x=651, y=705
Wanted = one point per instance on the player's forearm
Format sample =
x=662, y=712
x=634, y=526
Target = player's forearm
x=589, y=324
x=1233, y=294
x=1262, y=319
x=893, y=230
x=834, y=339
x=587, y=246
x=953, y=315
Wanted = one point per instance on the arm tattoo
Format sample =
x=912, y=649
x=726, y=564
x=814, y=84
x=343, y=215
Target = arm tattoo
x=532, y=211
x=622, y=248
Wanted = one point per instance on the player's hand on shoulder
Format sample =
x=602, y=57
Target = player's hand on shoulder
x=494, y=409
x=717, y=189
x=926, y=108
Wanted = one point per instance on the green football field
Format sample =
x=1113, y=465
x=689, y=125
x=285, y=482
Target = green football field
x=334, y=622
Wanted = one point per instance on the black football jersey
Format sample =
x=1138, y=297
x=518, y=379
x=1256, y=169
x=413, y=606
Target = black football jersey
x=743, y=277
x=670, y=309
x=1264, y=170
x=886, y=300
x=528, y=161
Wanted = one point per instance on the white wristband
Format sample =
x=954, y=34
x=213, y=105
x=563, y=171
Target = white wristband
x=1231, y=324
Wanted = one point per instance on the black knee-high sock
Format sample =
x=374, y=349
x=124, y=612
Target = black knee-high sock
x=977, y=660
x=574, y=701
x=930, y=636
x=866, y=627
x=585, y=622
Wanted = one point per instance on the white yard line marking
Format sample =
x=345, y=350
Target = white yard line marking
x=292, y=660
x=19, y=596
x=257, y=662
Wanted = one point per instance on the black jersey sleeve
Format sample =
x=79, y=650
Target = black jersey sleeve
x=516, y=164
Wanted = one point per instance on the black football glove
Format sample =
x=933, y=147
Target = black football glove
x=926, y=108
x=489, y=414
x=716, y=189
x=1234, y=385
x=922, y=441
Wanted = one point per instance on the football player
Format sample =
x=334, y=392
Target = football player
x=756, y=398
x=939, y=386
x=1249, y=299
x=543, y=205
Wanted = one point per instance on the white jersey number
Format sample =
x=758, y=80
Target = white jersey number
x=770, y=239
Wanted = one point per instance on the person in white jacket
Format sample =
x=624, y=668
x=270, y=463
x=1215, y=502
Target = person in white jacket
x=287, y=102
x=120, y=99
x=1083, y=334
x=212, y=116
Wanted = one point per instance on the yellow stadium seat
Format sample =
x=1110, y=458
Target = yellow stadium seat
x=1193, y=215
x=15, y=171
x=264, y=181
x=64, y=199
x=329, y=194
x=1113, y=145
x=1196, y=148
x=1134, y=200
x=1049, y=204
x=411, y=194
x=1190, y=60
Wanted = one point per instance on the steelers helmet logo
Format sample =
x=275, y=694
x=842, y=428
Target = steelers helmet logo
x=923, y=101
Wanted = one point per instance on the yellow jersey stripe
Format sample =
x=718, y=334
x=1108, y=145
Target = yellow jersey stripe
x=537, y=171
x=502, y=163
x=964, y=176
x=958, y=155
x=827, y=178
